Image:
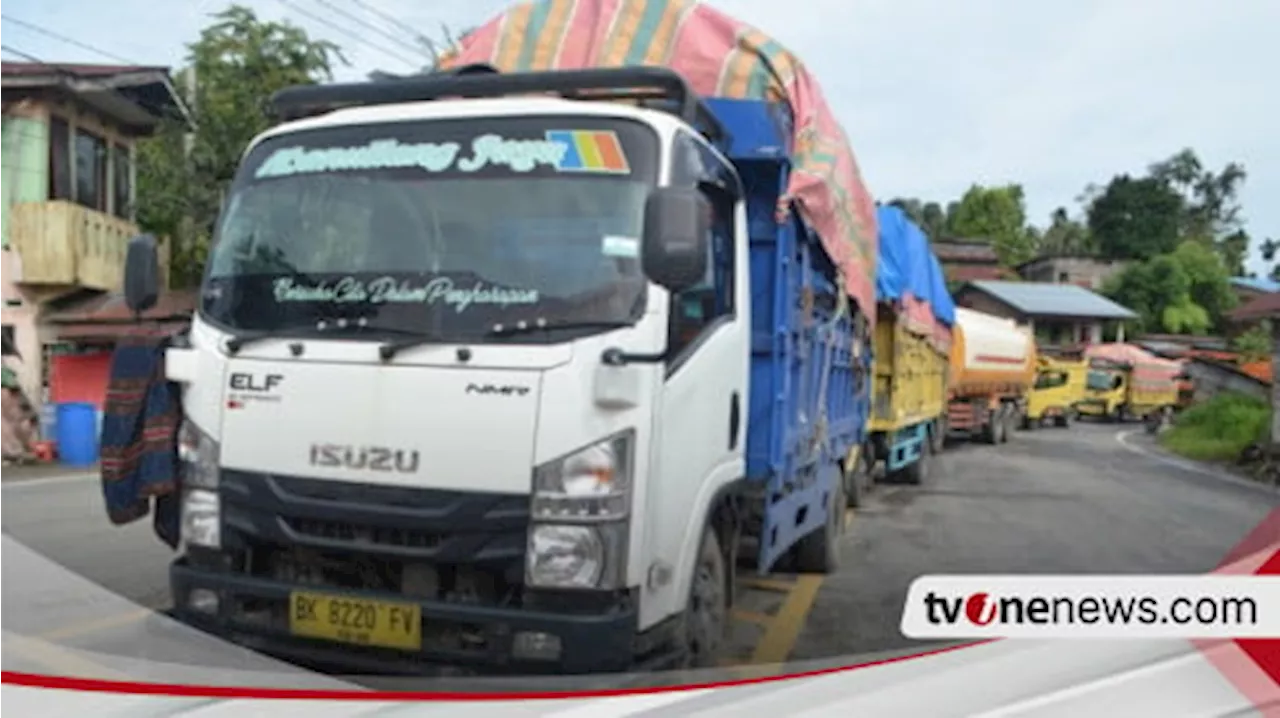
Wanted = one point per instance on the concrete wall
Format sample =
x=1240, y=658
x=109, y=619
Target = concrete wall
x=1082, y=271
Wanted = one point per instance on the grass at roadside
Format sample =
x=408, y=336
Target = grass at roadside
x=1219, y=429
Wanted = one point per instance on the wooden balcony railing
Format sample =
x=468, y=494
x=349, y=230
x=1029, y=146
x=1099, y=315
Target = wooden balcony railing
x=65, y=244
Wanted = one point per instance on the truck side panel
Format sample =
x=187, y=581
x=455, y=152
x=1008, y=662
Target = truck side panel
x=807, y=408
x=910, y=376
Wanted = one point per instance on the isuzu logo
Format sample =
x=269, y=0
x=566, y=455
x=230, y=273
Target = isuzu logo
x=365, y=458
x=503, y=390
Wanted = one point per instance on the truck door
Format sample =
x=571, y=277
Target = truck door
x=701, y=422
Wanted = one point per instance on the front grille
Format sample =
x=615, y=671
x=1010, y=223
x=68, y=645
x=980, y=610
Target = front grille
x=423, y=543
x=363, y=534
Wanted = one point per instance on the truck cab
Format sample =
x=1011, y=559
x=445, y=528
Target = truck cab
x=1059, y=387
x=469, y=382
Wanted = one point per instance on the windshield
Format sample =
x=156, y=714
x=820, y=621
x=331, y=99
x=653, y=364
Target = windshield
x=448, y=229
x=1100, y=380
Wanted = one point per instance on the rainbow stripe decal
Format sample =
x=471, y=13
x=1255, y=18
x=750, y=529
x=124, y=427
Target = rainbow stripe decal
x=590, y=151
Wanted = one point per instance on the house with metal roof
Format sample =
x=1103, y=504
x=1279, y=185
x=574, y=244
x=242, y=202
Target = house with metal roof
x=1248, y=289
x=1058, y=314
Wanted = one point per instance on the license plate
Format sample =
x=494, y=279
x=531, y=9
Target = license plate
x=356, y=620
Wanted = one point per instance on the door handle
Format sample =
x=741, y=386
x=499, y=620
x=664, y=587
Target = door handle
x=735, y=420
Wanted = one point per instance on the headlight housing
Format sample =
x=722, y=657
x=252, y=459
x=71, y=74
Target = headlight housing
x=590, y=484
x=581, y=506
x=201, y=505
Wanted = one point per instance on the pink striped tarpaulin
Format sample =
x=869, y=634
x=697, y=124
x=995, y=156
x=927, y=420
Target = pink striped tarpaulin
x=719, y=57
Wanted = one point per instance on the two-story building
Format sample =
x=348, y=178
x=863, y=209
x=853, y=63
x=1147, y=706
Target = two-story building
x=69, y=162
x=1080, y=270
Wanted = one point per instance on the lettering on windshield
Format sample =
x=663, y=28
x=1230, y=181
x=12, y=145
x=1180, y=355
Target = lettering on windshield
x=576, y=151
x=440, y=290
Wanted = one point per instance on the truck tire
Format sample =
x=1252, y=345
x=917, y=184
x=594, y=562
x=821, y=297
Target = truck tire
x=819, y=552
x=857, y=479
x=707, y=617
x=917, y=472
x=991, y=432
x=1012, y=417
x=938, y=435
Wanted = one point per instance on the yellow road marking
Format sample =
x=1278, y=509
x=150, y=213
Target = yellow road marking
x=769, y=584
x=780, y=637
x=762, y=619
x=59, y=660
x=98, y=624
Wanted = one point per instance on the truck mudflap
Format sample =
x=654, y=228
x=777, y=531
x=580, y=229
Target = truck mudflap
x=454, y=638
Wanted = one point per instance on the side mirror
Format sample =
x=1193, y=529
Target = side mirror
x=141, y=274
x=677, y=226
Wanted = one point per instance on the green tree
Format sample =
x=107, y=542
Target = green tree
x=1255, y=343
x=1185, y=291
x=1269, y=249
x=1211, y=200
x=1136, y=218
x=999, y=215
x=238, y=62
x=1065, y=236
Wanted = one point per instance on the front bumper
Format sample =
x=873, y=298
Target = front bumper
x=282, y=534
x=253, y=612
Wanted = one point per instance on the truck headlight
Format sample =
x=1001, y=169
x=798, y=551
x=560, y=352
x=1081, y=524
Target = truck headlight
x=201, y=518
x=590, y=484
x=565, y=556
x=198, y=456
x=201, y=506
x=581, y=504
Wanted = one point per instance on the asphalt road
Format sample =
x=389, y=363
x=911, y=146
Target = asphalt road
x=1095, y=498
x=1091, y=499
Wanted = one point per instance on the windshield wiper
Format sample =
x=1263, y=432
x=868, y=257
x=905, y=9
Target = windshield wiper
x=240, y=341
x=502, y=330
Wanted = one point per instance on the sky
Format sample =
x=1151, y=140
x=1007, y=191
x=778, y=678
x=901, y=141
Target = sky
x=935, y=95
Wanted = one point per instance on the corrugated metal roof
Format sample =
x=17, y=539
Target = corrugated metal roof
x=1047, y=299
x=1267, y=305
x=1257, y=284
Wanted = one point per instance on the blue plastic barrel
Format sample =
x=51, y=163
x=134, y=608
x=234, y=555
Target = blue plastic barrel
x=77, y=432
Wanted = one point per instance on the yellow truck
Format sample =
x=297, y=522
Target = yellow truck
x=1126, y=382
x=1059, y=386
x=910, y=362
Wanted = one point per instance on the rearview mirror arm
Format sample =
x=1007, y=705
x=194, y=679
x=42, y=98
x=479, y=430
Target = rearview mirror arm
x=614, y=356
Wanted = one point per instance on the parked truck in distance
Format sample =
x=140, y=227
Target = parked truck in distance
x=1126, y=382
x=992, y=370
x=1059, y=386
x=912, y=339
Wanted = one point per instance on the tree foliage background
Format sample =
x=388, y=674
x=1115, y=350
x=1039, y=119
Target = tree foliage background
x=232, y=69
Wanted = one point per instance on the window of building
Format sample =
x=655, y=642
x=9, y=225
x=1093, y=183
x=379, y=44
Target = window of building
x=121, y=184
x=1063, y=277
x=91, y=170
x=59, y=159
x=10, y=342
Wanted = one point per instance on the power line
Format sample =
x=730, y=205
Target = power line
x=305, y=13
x=370, y=26
x=70, y=41
x=389, y=19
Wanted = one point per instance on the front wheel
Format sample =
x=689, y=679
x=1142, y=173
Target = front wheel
x=707, y=618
